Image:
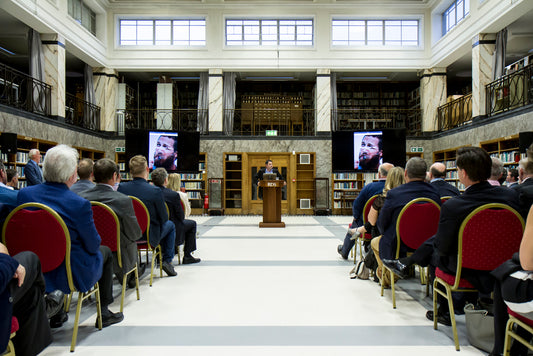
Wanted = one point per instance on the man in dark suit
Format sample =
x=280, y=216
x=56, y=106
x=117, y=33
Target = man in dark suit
x=85, y=173
x=90, y=262
x=162, y=231
x=358, y=206
x=525, y=188
x=185, y=228
x=437, y=173
x=269, y=168
x=512, y=178
x=106, y=174
x=32, y=171
x=8, y=196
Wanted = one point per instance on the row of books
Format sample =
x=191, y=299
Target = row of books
x=452, y=175
x=352, y=176
x=508, y=157
x=190, y=176
x=338, y=194
x=339, y=204
x=348, y=185
x=22, y=157
x=194, y=195
x=192, y=185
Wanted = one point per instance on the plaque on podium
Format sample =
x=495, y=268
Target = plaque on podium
x=271, y=203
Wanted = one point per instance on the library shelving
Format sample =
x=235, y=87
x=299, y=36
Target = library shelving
x=447, y=157
x=120, y=159
x=505, y=148
x=233, y=183
x=88, y=153
x=345, y=189
x=305, y=183
x=195, y=184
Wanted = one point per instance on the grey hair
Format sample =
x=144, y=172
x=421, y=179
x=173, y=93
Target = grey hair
x=60, y=163
x=158, y=176
x=497, y=167
x=32, y=152
x=416, y=168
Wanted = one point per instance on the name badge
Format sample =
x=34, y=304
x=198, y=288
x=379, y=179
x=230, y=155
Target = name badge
x=270, y=184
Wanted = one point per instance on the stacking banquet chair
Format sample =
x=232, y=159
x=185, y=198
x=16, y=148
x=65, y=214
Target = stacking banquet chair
x=488, y=236
x=143, y=219
x=10, y=350
x=367, y=236
x=510, y=333
x=108, y=227
x=443, y=199
x=418, y=221
x=48, y=237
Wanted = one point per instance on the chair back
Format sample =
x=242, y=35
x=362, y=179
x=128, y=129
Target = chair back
x=417, y=222
x=108, y=227
x=489, y=236
x=142, y=215
x=443, y=199
x=38, y=228
x=366, y=211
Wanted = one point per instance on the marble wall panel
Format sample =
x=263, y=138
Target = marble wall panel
x=323, y=100
x=105, y=91
x=164, y=103
x=54, y=70
x=482, y=49
x=215, y=100
x=432, y=95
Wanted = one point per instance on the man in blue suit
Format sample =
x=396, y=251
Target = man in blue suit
x=437, y=173
x=8, y=196
x=162, y=230
x=358, y=205
x=90, y=262
x=32, y=171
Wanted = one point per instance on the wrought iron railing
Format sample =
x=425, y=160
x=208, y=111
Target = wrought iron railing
x=372, y=119
x=21, y=91
x=81, y=113
x=169, y=119
x=455, y=113
x=510, y=91
x=286, y=122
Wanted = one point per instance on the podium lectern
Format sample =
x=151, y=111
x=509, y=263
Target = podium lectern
x=271, y=203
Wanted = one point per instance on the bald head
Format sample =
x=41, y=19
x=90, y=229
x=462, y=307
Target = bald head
x=437, y=170
x=383, y=170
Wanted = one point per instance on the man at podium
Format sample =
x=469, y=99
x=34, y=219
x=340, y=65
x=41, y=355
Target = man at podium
x=268, y=169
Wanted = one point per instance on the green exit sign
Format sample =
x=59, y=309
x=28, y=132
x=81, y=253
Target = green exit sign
x=271, y=132
x=120, y=149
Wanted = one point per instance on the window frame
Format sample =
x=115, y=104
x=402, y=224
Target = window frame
x=445, y=15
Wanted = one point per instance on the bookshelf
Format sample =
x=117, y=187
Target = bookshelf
x=233, y=183
x=305, y=183
x=345, y=189
x=505, y=148
x=120, y=159
x=195, y=184
x=88, y=153
x=447, y=157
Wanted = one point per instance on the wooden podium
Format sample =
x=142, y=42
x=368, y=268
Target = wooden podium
x=271, y=203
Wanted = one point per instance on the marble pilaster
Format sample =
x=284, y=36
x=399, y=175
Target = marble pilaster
x=432, y=95
x=323, y=100
x=482, y=49
x=215, y=100
x=164, y=106
x=105, y=92
x=54, y=70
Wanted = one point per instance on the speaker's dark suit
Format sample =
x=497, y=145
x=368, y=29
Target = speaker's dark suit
x=185, y=228
x=129, y=228
x=525, y=192
x=395, y=201
x=161, y=229
x=444, y=188
x=33, y=173
x=259, y=177
x=452, y=214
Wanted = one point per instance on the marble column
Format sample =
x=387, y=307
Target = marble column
x=323, y=100
x=482, y=49
x=432, y=95
x=215, y=100
x=54, y=70
x=164, y=106
x=105, y=92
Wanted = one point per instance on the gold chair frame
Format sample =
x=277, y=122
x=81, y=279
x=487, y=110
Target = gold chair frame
x=119, y=255
x=455, y=288
x=81, y=295
x=360, y=239
x=511, y=334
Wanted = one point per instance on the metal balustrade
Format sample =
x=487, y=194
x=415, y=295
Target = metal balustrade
x=455, y=113
x=81, y=113
x=510, y=91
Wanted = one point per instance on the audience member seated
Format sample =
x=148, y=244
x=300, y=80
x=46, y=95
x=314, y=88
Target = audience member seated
x=22, y=295
x=85, y=173
x=473, y=169
x=12, y=179
x=185, y=228
x=415, y=173
x=90, y=262
x=8, y=196
x=358, y=206
x=162, y=231
x=437, y=173
x=174, y=183
x=514, y=289
x=32, y=171
x=525, y=188
x=512, y=178
x=496, y=171
x=106, y=174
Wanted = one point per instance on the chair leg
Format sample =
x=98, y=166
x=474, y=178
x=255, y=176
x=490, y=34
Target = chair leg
x=68, y=300
x=124, y=279
x=508, y=333
x=452, y=317
x=436, y=292
x=154, y=254
x=76, y=321
x=137, y=281
x=391, y=274
x=381, y=279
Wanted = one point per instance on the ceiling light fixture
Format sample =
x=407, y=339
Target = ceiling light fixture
x=6, y=51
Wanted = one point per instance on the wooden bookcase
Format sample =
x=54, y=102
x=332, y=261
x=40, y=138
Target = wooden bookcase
x=233, y=183
x=195, y=184
x=448, y=158
x=120, y=159
x=305, y=183
x=88, y=153
x=345, y=189
x=505, y=148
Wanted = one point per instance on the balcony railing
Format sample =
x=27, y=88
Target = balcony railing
x=510, y=91
x=372, y=119
x=21, y=91
x=286, y=122
x=81, y=113
x=171, y=119
x=455, y=113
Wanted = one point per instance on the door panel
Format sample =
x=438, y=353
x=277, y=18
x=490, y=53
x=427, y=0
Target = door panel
x=256, y=161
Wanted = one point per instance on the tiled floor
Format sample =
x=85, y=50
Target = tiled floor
x=266, y=292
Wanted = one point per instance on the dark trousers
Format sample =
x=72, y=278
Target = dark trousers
x=189, y=232
x=168, y=241
x=29, y=307
x=348, y=243
x=106, y=281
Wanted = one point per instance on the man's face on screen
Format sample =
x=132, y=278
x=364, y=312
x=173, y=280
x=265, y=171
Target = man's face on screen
x=164, y=154
x=369, y=155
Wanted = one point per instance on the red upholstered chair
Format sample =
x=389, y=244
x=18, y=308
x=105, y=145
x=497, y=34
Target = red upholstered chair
x=108, y=227
x=443, y=199
x=36, y=227
x=143, y=219
x=417, y=222
x=366, y=236
x=10, y=350
x=525, y=323
x=488, y=236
